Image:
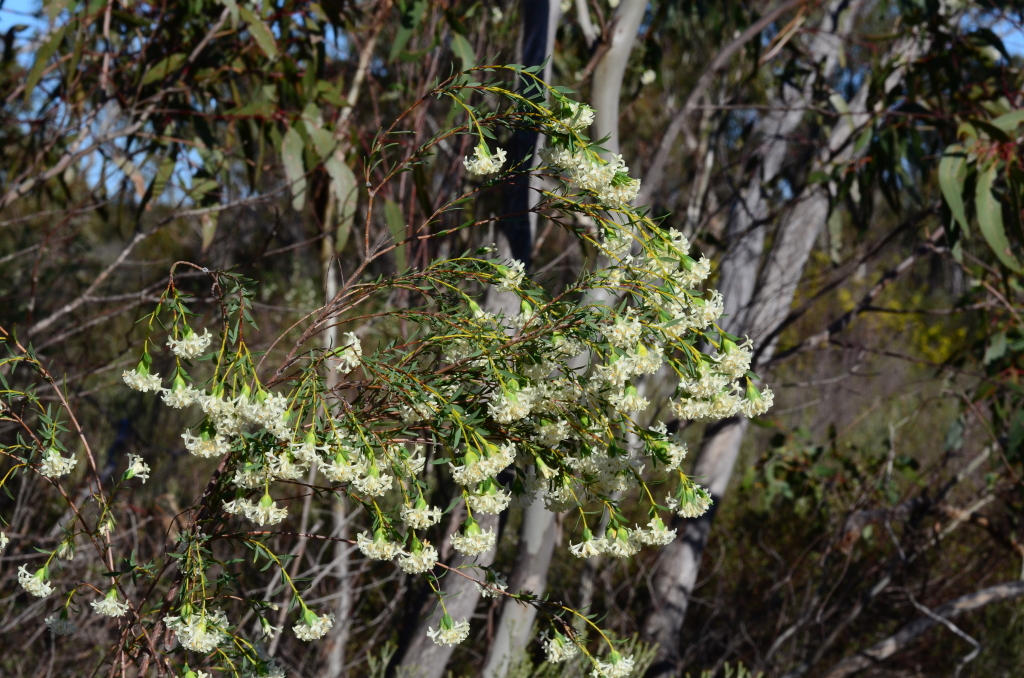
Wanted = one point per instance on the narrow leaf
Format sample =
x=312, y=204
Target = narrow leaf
x=396, y=224
x=990, y=219
x=952, y=173
x=294, y=172
x=43, y=55
x=259, y=31
x=463, y=50
x=163, y=68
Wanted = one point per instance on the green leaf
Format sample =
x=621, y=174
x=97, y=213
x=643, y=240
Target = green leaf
x=163, y=175
x=232, y=6
x=1008, y=121
x=209, y=223
x=412, y=15
x=259, y=31
x=396, y=224
x=294, y=171
x=163, y=68
x=996, y=348
x=463, y=50
x=43, y=55
x=952, y=173
x=343, y=186
x=839, y=103
x=990, y=219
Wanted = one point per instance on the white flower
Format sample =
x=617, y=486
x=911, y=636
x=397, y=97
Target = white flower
x=648, y=76
x=495, y=585
x=420, y=517
x=342, y=471
x=137, y=468
x=622, y=546
x=273, y=670
x=420, y=561
x=417, y=410
x=250, y=478
x=625, y=332
x=204, y=446
x=559, y=648
x=181, y=397
x=451, y=634
x=34, y=582
x=473, y=543
x=617, y=666
x=59, y=626
x=576, y=116
x=618, y=245
x=691, y=278
x=190, y=346
x=673, y=447
x=477, y=470
x=734, y=359
x=314, y=627
x=266, y=512
x=628, y=401
x=511, y=275
x=306, y=451
x=56, y=466
x=511, y=406
x=377, y=548
x=588, y=548
x=349, y=353
x=141, y=382
x=756, y=403
x=200, y=632
x=695, y=502
x=550, y=434
x=110, y=606
x=3, y=541
x=621, y=192
x=373, y=486
x=483, y=162
x=656, y=534
x=492, y=504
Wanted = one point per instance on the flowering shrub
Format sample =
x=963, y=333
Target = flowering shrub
x=538, y=406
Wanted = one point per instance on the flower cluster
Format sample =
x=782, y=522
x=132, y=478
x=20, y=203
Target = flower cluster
x=34, y=582
x=313, y=627
x=110, y=606
x=200, y=631
x=543, y=402
x=191, y=345
x=54, y=465
x=484, y=162
x=60, y=625
x=449, y=632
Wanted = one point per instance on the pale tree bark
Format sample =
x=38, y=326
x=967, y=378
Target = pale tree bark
x=942, y=614
x=755, y=298
x=606, y=89
x=536, y=539
x=529, y=575
x=607, y=82
x=424, y=659
x=337, y=640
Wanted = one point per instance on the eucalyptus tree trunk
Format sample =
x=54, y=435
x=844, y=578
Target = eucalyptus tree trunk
x=606, y=87
x=756, y=297
x=605, y=91
x=537, y=534
x=339, y=634
x=423, y=659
